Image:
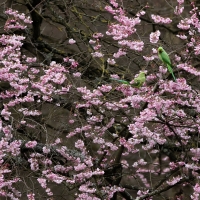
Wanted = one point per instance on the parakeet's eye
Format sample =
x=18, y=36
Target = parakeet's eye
x=160, y=51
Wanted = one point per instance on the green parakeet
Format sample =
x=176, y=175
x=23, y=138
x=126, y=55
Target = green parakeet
x=137, y=82
x=166, y=60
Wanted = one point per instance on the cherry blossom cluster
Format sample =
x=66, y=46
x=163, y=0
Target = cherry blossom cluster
x=16, y=20
x=73, y=62
x=161, y=20
x=110, y=123
x=179, y=8
x=95, y=42
x=122, y=30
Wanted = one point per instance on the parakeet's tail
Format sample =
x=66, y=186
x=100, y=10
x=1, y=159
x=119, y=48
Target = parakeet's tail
x=121, y=81
x=173, y=77
x=171, y=71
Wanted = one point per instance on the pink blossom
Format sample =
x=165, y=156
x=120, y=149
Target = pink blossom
x=85, y=188
x=98, y=172
x=97, y=35
x=46, y=150
x=5, y=114
x=160, y=20
x=80, y=167
x=154, y=51
x=18, y=22
x=105, y=88
x=180, y=1
x=34, y=164
x=120, y=52
x=197, y=49
x=31, y=60
x=71, y=121
x=197, y=188
x=140, y=13
x=182, y=36
x=77, y=74
x=115, y=76
x=111, y=61
x=174, y=180
x=110, y=10
x=31, y=144
x=173, y=165
x=189, y=68
x=72, y=41
x=79, y=144
x=178, y=10
x=58, y=141
x=192, y=166
x=92, y=41
x=177, y=58
x=148, y=58
x=154, y=36
x=14, y=147
x=124, y=27
x=114, y=3
x=55, y=177
x=42, y=182
x=136, y=45
x=66, y=59
x=97, y=54
x=184, y=24
x=31, y=196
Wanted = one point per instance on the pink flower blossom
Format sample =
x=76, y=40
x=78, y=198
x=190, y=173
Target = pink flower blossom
x=120, y=52
x=197, y=49
x=182, y=36
x=77, y=74
x=111, y=61
x=197, y=188
x=180, y=1
x=140, y=13
x=97, y=54
x=31, y=144
x=14, y=147
x=71, y=121
x=154, y=37
x=178, y=10
x=79, y=144
x=154, y=50
x=31, y=60
x=72, y=41
x=92, y=41
x=97, y=35
x=184, y=24
x=85, y=188
x=148, y=58
x=42, y=182
x=124, y=27
x=174, y=180
x=31, y=196
x=189, y=68
x=115, y=76
x=160, y=20
x=46, y=150
x=114, y=3
x=80, y=167
x=105, y=88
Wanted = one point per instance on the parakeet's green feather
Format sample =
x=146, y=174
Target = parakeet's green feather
x=121, y=81
x=137, y=82
x=171, y=71
x=162, y=54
